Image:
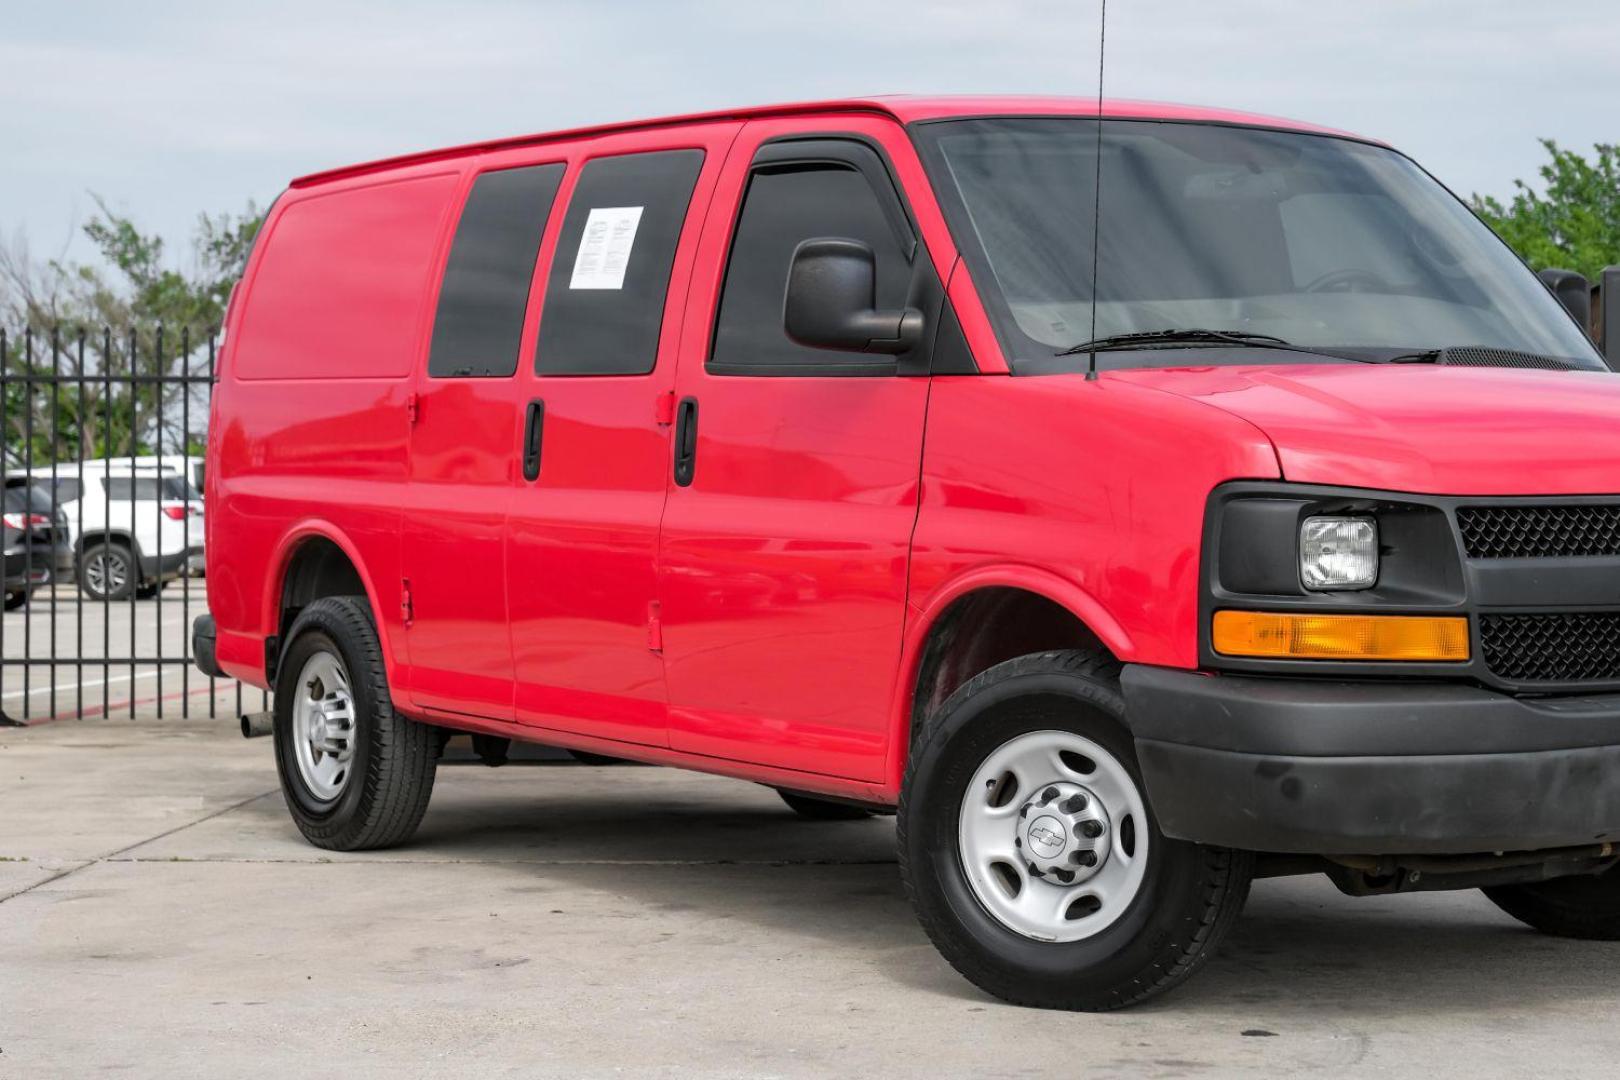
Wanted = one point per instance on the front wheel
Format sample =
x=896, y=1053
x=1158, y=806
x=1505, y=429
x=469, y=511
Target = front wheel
x=1032, y=857
x=15, y=600
x=1587, y=906
x=355, y=773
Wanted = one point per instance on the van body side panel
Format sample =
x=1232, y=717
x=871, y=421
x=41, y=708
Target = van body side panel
x=463, y=453
x=583, y=541
x=1103, y=488
x=310, y=410
x=465, y=441
x=783, y=565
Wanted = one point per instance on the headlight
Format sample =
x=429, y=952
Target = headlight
x=1338, y=553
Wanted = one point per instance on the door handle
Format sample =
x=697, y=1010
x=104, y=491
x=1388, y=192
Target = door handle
x=685, y=440
x=534, y=427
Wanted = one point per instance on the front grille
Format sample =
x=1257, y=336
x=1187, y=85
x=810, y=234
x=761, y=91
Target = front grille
x=1552, y=648
x=1539, y=532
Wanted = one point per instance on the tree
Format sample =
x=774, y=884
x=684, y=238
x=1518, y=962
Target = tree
x=1574, y=224
x=135, y=314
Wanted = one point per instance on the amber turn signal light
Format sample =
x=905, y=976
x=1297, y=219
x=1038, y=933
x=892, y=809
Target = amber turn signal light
x=1290, y=636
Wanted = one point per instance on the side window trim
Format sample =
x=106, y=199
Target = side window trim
x=850, y=152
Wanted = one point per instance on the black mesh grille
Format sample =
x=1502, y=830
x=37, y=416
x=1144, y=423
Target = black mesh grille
x=1480, y=356
x=1544, y=532
x=1552, y=648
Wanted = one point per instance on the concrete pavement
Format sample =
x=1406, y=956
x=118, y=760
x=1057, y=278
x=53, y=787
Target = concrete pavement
x=159, y=915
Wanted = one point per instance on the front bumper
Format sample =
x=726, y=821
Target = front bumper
x=1323, y=767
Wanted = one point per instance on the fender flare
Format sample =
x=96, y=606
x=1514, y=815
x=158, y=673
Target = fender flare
x=920, y=623
x=276, y=583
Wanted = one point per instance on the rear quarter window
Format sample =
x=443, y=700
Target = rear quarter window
x=478, y=328
x=339, y=290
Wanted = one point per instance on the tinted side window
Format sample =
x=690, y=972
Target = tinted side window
x=605, y=296
x=782, y=208
x=143, y=488
x=479, y=326
x=67, y=489
x=30, y=497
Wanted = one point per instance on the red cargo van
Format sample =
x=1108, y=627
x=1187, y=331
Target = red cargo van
x=1138, y=503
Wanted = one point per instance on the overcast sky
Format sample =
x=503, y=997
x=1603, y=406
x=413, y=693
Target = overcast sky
x=172, y=107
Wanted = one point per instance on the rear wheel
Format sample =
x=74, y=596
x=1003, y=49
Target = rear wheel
x=1032, y=857
x=355, y=773
x=15, y=600
x=1585, y=907
x=106, y=571
x=812, y=808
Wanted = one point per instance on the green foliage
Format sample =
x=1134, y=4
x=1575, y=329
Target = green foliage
x=1574, y=223
x=133, y=313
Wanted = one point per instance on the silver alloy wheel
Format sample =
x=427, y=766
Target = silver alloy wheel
x=323, y=726
x=1053, y=836
x=106, y=573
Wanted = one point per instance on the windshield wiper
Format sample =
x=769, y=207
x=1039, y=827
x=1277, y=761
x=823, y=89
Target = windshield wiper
x=1151, y=339
x=1422, y=356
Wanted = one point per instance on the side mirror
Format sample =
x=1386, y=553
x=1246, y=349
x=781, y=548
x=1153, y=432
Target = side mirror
x=831, y=301
x=1572, y=291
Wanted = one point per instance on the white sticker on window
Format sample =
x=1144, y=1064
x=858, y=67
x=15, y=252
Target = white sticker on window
x=604, y=250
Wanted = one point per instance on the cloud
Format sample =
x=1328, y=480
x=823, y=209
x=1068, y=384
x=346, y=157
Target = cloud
x=176, y=108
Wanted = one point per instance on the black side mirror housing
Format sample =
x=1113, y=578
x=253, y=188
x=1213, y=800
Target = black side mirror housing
x=831, y=301
x=1605, y=324
x=1572, y=291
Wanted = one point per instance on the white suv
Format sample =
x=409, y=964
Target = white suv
x=133, y=526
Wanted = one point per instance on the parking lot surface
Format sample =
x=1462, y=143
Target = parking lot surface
x=159, y=915
x=143, y=629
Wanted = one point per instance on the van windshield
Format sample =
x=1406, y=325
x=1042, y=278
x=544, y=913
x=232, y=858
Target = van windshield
x=1316, y=242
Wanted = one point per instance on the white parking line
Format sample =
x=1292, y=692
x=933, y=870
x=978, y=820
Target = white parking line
x=87, y=683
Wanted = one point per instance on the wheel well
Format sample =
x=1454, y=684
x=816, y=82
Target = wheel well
x=984, y=628
x=318, y=568
x=85, y=540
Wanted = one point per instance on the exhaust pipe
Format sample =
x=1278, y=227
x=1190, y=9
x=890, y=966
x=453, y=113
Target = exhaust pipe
x=256, y=724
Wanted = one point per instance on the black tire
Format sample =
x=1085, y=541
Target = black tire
x=15, y=600
x=147, y=590
x=1585, y=907
x=112, y=553
x=1188, y=899
x=812, y=808
x=395, y=758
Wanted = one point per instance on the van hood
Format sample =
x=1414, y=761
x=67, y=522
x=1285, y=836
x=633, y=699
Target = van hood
x=1421, y=428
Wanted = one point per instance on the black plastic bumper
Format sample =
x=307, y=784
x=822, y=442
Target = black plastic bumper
x=1310, y=766
x=203, y=636
x=26, y=569
x=171, y=564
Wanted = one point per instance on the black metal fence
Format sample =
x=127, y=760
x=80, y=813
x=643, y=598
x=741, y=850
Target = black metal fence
x=103, y=433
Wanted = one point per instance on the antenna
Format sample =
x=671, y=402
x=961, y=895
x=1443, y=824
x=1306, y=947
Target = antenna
x=1096, y=210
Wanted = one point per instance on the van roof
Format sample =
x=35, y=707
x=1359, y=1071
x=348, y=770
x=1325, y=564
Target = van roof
x=905, y=109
